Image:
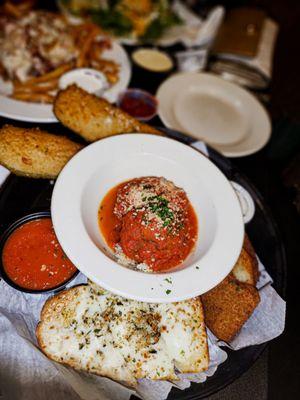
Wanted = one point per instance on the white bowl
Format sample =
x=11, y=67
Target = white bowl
x=89, y=79
x=100, y=166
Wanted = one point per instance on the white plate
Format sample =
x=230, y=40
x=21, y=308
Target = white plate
x=42, y=113
x=97, y=168
x=209, y=108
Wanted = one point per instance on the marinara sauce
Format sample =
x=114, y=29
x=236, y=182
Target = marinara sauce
x=138, y=103
x=151, y=221
x=33, y=258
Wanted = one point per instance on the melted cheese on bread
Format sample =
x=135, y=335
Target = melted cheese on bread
x=93, y=330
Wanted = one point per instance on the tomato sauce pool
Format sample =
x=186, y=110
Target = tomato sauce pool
x=33, y=258
x=160, y=243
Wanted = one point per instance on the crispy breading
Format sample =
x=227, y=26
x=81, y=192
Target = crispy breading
x=246, y=267
x=34, y=153
x=94, y=118
x=228, y=306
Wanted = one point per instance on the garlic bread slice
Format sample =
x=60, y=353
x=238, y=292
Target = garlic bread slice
x=34, y=153
x=93, y=330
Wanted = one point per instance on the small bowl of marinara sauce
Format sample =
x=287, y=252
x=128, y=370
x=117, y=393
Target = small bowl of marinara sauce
x=32, y=259
x=138, y=103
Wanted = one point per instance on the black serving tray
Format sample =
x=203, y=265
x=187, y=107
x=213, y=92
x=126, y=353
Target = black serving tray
x=21, y=196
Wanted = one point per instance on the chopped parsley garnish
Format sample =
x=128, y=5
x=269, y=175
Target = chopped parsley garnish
x=81, y=345
x=168, y=291
x=169, y=280
x=160, y=206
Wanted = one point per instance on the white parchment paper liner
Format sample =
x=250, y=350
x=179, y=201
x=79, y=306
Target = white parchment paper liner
x=22, y=311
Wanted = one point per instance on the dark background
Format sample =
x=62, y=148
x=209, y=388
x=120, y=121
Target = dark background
x=271, y=169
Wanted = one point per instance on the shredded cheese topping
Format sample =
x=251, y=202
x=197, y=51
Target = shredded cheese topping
x=160, y=201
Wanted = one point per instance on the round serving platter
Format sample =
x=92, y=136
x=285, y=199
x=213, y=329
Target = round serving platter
x=21, y=196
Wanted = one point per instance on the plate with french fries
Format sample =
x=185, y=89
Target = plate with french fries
x=38, y=48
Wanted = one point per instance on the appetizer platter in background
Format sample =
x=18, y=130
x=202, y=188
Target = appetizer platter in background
x=38, y=52
x=159, y=22
x=154, y=338
x=129, y=21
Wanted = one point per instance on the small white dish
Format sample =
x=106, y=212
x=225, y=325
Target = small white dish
x=209, y=108
x=88, y=79
x=246, y=202
x=42, y=113
x=100, y=166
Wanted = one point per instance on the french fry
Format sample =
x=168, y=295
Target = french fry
x=95, y=52
x=109, y=68
x=56, y=73
x=40, y=88
x=33, y=97
x=17, y=10
x=12, y=10
x=80, y=30
x=111, y=77
x=82, y=58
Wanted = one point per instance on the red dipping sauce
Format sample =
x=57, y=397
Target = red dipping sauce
x=33, y=258
x=138, y=103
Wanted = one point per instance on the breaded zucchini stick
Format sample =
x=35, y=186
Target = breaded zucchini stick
x=92, y=117
x=34, y=153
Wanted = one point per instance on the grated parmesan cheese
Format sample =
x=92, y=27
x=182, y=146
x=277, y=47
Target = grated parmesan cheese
x=122, y=259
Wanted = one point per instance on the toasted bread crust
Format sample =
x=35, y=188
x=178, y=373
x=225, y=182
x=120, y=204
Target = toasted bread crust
x=247, y=246
x=34, y=153
x=246, y=267
x=92, y=117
